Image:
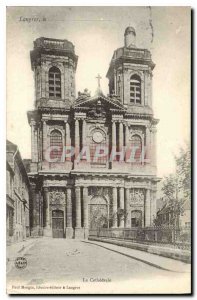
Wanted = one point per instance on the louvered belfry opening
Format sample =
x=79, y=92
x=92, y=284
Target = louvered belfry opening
x=135, y=89
x=54, y=83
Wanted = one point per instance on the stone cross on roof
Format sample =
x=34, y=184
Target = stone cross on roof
x=99, y=78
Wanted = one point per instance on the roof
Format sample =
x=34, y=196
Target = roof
x=12, y=148
x=164, y=209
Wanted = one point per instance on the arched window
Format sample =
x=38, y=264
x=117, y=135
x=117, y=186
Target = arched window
x=54, y=82
x=56, y=142
x=135, y=89
x=136, y=143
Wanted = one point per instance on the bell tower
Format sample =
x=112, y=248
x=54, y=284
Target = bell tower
x=54, y=64
x=130, y=74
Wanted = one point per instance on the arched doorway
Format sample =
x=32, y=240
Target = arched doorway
x=98, y=213
x=136, y=218
x=58, y=223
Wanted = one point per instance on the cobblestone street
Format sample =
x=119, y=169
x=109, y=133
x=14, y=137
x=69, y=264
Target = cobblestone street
x=53, y=261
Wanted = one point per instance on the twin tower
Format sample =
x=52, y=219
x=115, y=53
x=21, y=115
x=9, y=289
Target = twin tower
x=72, y=198
x=54, y=64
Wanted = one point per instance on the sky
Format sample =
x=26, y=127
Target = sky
x=96, y=32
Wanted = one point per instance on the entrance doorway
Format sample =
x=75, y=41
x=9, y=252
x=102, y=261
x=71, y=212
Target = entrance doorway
x=98, y=213
x=58, y=223
x=136, y=218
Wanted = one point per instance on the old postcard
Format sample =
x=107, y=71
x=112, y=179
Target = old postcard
x=98, y=150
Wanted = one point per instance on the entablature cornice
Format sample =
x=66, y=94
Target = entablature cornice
x=137, y=122
x=79, y=115
x=54, y=110
x=138, y=116
x=81, y=108
x=49, y=118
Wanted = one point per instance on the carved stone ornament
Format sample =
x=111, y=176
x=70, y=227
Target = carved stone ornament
x=56, y=197
x=135, y=132
x=96, y=191
x=137, y=196
x=98, y=111
x=98, y=136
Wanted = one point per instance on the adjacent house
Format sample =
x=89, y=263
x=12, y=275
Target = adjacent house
x=17, y=195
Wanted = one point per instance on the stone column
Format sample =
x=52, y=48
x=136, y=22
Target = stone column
x=121, y=225
x=115, y=207
x=47, y=82
x=77, y=142
x=84, y=133
x=33, y=156
x=47, y=230
x=41, y=215
x=127, y=153
x=36, y=144
x=126, y=134
x=67, y=140
x=40, y=144
x=78, y=206
x=154, y=146
x=127, y=208
x=85, y=211
x=44, y=129
x=114, y=135
x=147, y=208
x=120, y=136
x=148, y=145
x=65, y=122
x=78, y=229
x=68, y=134
x=115, y=83
x=43, y=82
x=69, y=229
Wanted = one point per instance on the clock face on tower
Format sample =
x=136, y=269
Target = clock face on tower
x=97, y=137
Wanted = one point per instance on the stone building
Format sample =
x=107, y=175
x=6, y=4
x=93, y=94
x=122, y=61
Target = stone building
x=73, y=194
x=17, y=196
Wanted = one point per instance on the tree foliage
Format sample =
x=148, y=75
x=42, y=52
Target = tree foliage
x=169, y=187
x=183, y=170
x=177, y=187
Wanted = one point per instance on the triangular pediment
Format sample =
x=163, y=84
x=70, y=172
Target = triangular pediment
x=99, y=100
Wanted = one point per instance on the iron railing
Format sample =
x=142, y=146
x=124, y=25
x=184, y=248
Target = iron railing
x=166, y=236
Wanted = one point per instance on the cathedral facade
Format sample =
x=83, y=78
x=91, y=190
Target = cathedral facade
x=93, y=161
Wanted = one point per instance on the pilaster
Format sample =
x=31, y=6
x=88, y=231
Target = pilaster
x=121, y=224
x=115, y=207
x=127, y=208
x=79, y=232
x=85, y=212
x=47, y=228
x=69, y=229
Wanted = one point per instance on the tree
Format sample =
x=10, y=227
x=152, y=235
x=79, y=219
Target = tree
x=183, y=171
x=177, y=187
x=169, y=187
